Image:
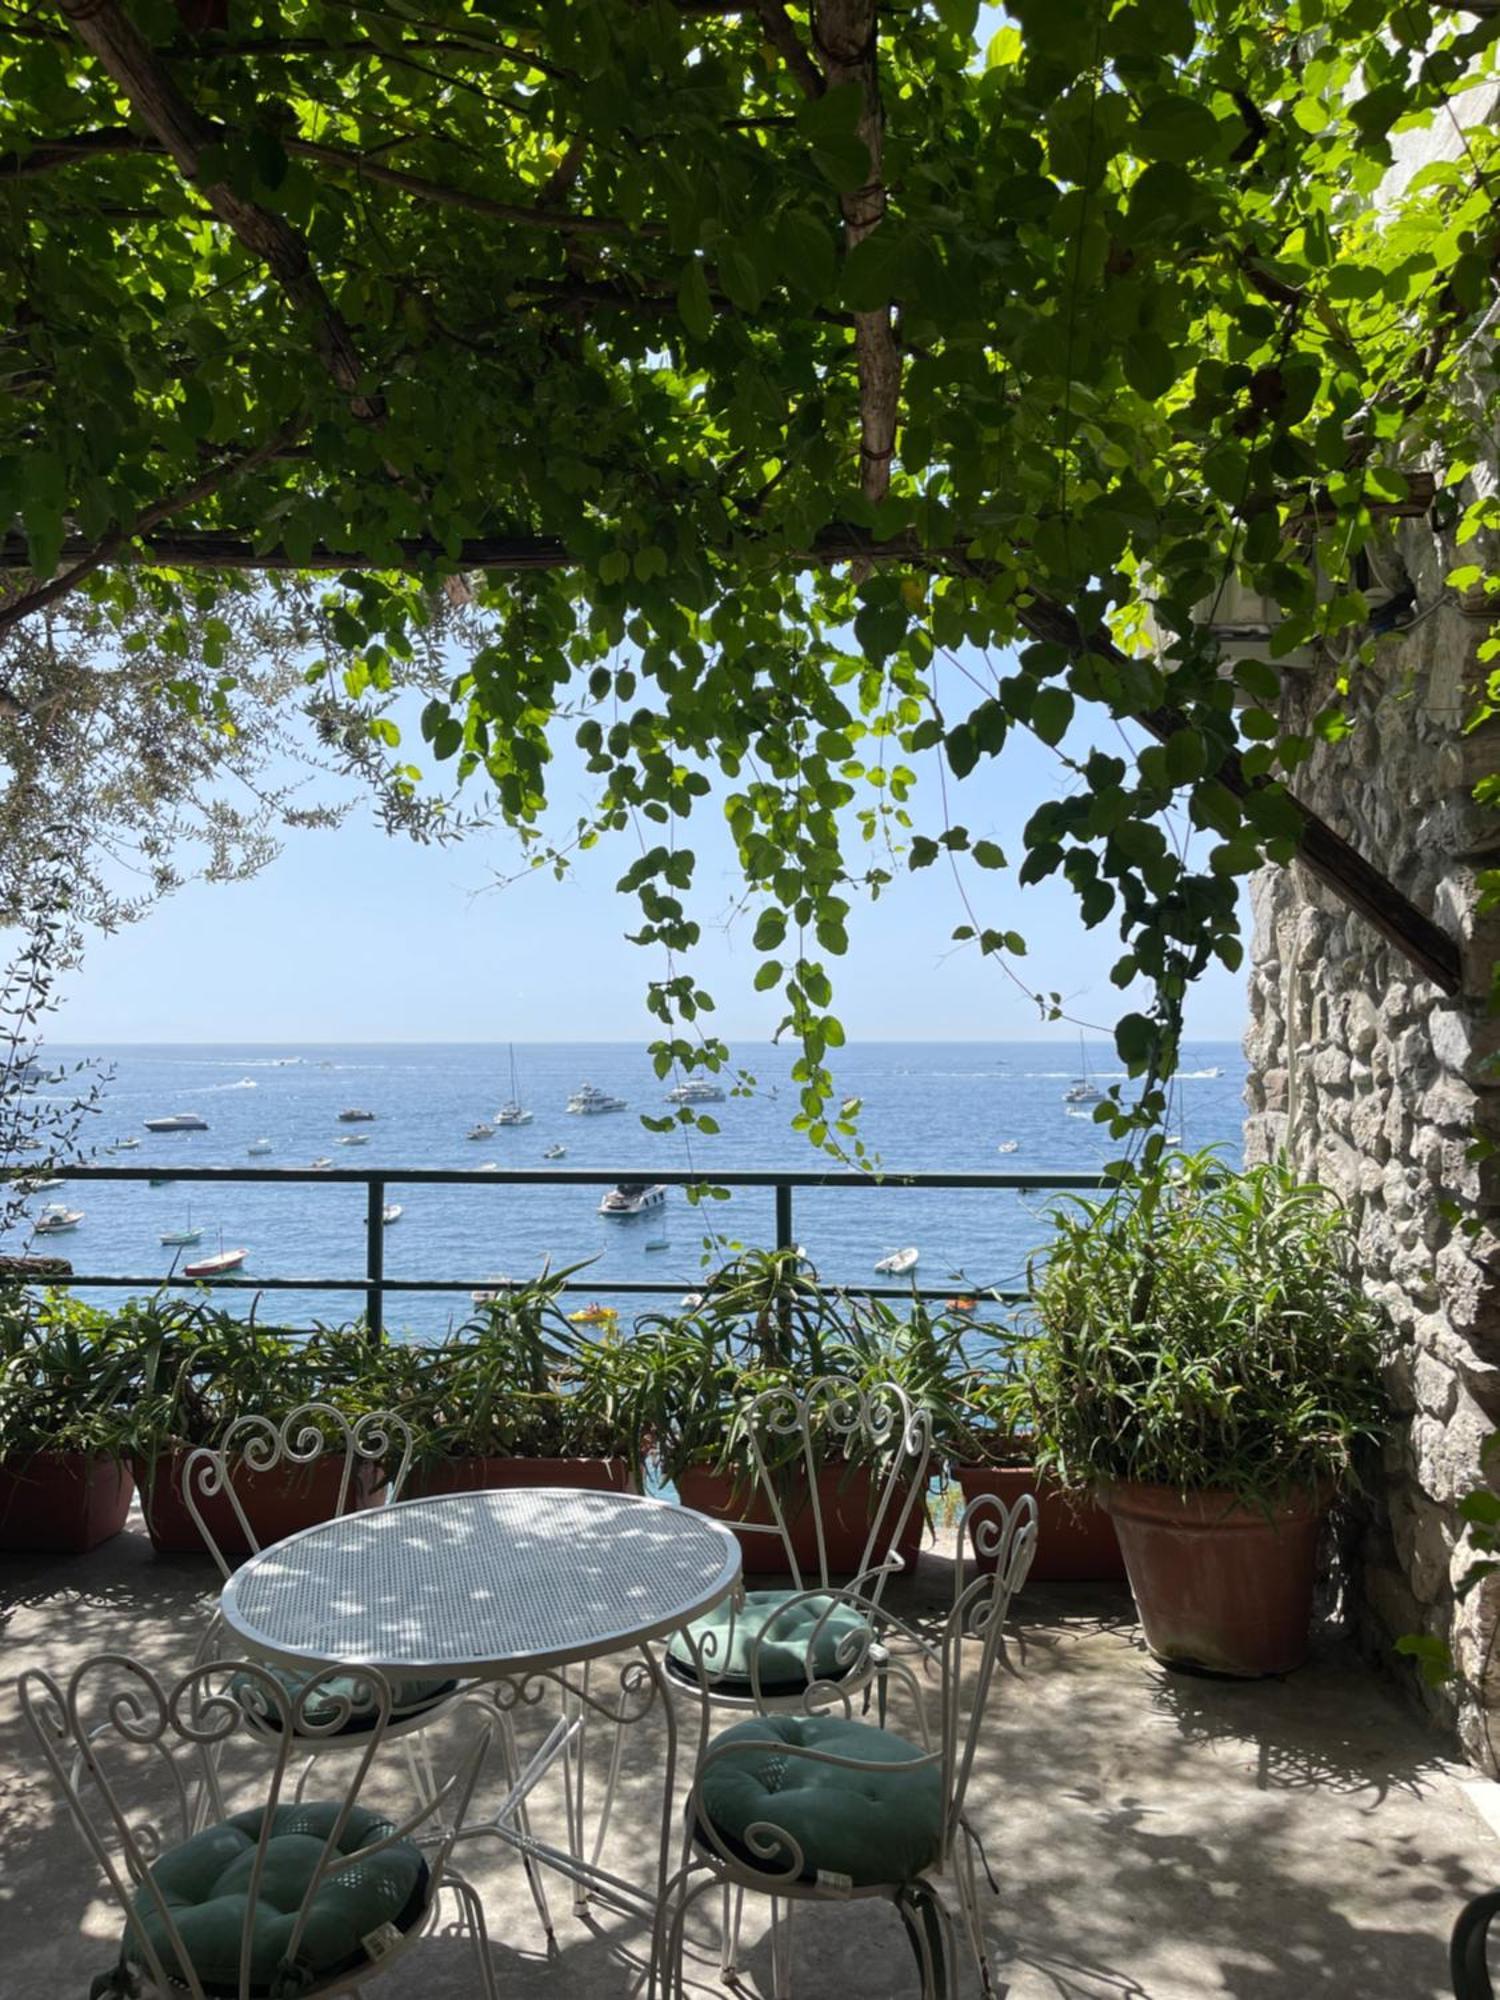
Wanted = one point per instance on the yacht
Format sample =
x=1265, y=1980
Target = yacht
x=258, y=1146
x=898, y=1262
x=588, y=1101
x=180, y=1121
x=480, y=1131
x=56, y=1219
x=513, y=1111
x=696, y=1090
x=215, y=1266
x=392, y=1212
x=633, y=1198
x=356, y=1117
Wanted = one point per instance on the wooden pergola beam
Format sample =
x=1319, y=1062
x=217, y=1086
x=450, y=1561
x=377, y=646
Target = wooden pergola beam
x=1322, y=850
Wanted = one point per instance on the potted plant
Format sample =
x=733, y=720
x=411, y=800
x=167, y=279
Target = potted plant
x=1205, y=1362
x=515, y=1398
x=64, y=1484
x=198, y=1370
x=762, y=1323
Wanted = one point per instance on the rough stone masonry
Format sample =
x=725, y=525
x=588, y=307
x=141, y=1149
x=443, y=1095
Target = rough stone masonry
x=1377, y=1085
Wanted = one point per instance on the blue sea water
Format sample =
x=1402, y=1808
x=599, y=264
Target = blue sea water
x=926, y=1107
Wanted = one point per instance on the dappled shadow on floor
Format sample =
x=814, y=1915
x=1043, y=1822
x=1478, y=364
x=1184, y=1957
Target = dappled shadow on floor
x=1153, y=1836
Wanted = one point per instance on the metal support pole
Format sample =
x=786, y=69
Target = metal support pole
x=375, y=1258
x=784, y=1237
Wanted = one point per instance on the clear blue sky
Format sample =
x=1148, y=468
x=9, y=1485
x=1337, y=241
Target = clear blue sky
x=352, y=935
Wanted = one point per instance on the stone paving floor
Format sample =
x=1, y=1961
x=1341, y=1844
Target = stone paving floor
x=1155, y=1837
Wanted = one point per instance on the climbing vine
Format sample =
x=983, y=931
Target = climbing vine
x=747, y=361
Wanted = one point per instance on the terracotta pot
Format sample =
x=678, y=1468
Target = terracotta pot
x=1218, y=1586
x=62, y=1501
x=477, y=1475
x=1076, y=1540
x=277, y=1503
x=846, y=1503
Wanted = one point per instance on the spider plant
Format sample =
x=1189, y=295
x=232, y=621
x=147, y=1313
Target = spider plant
x=64, y=1374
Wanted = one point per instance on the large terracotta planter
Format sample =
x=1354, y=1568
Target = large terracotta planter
x=62, y=1502
x=480, y=1475
x=1076, y=1540
x=277, y=1504
x=1218, y=1586
x=847, y=1504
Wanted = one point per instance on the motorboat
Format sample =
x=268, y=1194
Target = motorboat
x=513, y=1111
x=56, y=1219
x=355, y=1139
x=356, y=1117
x=696, y=1090
x=633, y=1198
x=691, y=1301
x=180, y=1121
x=392, y=1212
x=899, y=1262
x=489, y=1167
x=160, y=1180
x=126, y=1146
x=494, y=1292
x=962, y=1305
x=258, y=1146
x=1008, y=1146
x=557, y=1152
x=29, y=1187
x=322, y=1162
x=480, y=1132
x=657, y=1243
x=217, y=1265
x=1172, y=1139
x=588, y=1101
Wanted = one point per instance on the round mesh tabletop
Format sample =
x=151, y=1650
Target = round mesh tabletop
x=477, y=1583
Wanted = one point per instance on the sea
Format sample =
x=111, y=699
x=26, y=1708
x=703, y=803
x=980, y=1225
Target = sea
x=921, y=1107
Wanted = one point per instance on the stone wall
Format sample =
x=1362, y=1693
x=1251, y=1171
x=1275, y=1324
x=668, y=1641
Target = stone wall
x=1377, y=1086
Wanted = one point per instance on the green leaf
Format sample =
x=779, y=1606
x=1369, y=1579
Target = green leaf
x=693, y=301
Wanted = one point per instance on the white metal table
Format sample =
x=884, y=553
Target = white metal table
x=511, y=1588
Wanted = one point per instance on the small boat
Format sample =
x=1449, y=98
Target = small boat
x=1008, y=1146
x=392, y=1212
x=180, y=1121
x=321, y=1163
x=491, y=1294
x=160, y=1180
x=480, y=1132
x=657, y=1243
x=961, y=1305
x=594, y=1315
x=56, y=1219
x=588, y=1101
x=215, y=1266
x=1172, y=1139
x=558, y=1152
x=355, y=1139
x=38, y=1187
x=691, y=1301
x=126, y=1146
x=258, y=1146
x=633, y=1198
x=489, y=1167
x=899, y=1262
x=696, y=1090
x=850, y=1107
x=181, y=1238
x=355, y=1117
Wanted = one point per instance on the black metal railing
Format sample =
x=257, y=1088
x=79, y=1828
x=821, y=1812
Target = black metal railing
x=375, y=1285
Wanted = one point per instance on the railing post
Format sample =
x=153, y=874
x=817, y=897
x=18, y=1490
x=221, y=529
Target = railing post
x=784, y=1238
x=375, y=1258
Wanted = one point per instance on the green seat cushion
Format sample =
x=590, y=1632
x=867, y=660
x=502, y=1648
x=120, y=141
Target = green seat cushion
x=408, y=1698
x=205, y=1883
x=795, y=1651
x=863, y=1829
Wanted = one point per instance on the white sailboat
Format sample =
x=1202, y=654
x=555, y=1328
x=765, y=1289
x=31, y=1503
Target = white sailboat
x=1082, y=1090
x=184, y=1238
x=513, y=1111
x=897, y=1263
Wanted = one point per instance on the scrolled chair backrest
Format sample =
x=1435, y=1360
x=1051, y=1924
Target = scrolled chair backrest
x=142, y=1766
x=792, y=1435
x=312, y=1431
x=856, y=1639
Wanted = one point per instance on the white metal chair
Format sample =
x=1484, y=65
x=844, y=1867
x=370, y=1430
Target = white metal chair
x=248, y=1892
x=370, y=1457
x=813, y=1804
x=826, y=1459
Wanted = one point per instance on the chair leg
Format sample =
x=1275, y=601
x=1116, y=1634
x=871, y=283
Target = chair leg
x=510, y=1756
x=473, y=1909
x=966, y=1883
x=734, y=1910
x=781, y=1949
